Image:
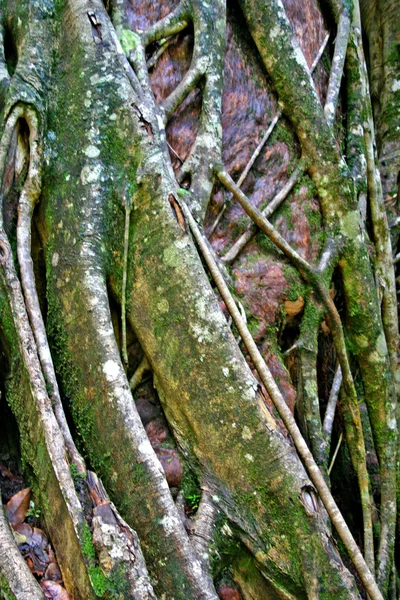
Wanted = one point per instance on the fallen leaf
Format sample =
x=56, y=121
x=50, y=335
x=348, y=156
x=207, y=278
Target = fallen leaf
x=53, y=572
x=54, y=590
x=24, y=530
x=17, y=507
x=39, y=538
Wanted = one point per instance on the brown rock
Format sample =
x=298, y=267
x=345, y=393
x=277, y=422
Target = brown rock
x=226, y=592
x=171, y=464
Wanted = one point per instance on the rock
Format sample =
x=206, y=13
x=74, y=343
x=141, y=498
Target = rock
x=171, y=465
x=226, y=592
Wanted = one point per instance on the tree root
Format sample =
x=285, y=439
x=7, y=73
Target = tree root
x=175, y=22
x=336, y=73
x=354, y=426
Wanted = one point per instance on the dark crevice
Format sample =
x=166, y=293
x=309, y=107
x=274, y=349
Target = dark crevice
x=10, y=51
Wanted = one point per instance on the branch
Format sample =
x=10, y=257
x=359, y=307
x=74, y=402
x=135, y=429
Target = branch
x=287, y=417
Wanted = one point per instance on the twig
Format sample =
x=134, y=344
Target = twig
x=259, y=148
x=275, y=121
x=284, y=412
x=335, y=454
x=175, y=153
x=320, y=53
x=336, y=73
x=245, y=238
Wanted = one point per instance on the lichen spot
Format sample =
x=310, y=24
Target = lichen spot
x=111, y=370
x=54, y=259
x=91, y=151
x=90, y=174
x=225, y=371
x=274, y=32
x=163, y=306
x=246, y=433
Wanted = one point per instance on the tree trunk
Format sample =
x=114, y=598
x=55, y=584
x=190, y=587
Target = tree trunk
x=122, y=125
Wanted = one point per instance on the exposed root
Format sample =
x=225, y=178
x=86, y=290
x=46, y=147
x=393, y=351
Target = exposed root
x=336, y=73
x=117, y=544
x=203, y=528
x=332, y=402
x=284, y=412
x=137, y=377
x=208, y=64
x=156, y=56
x=28, y=198
x=124, y=279
x=175, y=22
x=188, y=83
x=354, y=430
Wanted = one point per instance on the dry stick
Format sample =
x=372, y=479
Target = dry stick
x=354, y=432
x=238, y=246
x=124, y=279
x=286, y=416
x=335, y=454
x=336, y=73
x=332, y=402
x=28, y=198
